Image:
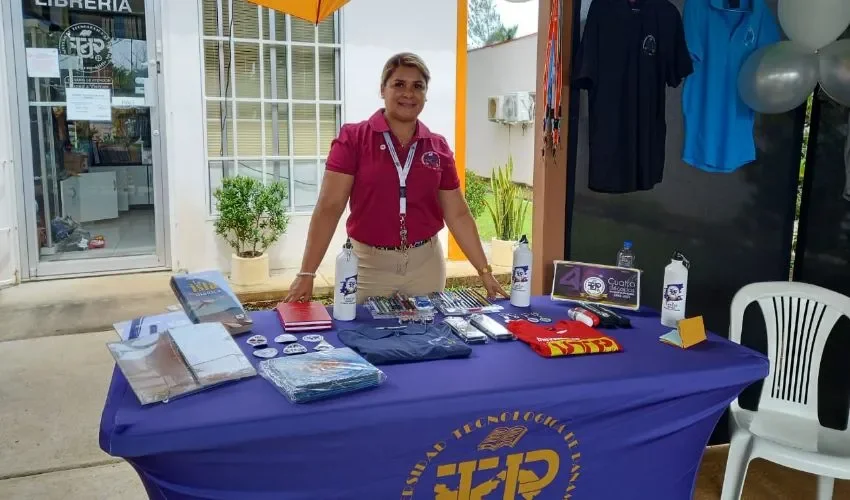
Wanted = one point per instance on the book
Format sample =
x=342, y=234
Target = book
x=303, y=316
x=148, y=325
x=180, y=361
x=206, y=297
x=320, y=375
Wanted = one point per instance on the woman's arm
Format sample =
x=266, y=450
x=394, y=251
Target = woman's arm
x=460, y=222
x=333, y=197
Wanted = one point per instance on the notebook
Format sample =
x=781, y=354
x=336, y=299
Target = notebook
x=183, y=360
x=303, y=316
x=206, y=297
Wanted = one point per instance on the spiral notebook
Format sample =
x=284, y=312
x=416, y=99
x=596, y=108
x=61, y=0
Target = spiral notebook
x=181, y=361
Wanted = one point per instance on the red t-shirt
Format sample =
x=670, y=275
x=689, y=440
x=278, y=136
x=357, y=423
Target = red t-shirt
x=565, y=338
x=359, y=150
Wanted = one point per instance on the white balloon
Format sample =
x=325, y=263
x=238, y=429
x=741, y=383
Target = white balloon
x=814, y=24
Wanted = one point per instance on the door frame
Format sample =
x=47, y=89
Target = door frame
x=31, y=267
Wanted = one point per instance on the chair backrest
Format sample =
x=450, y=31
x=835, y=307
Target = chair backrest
x=799, y=317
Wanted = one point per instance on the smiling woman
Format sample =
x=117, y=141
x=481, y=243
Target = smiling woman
x=402, y=185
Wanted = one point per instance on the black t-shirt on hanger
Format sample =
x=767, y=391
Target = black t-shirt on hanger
x=629, y=53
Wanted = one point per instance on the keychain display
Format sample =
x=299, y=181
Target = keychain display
x=401, y=307
x=266, y=353
x=531, y=317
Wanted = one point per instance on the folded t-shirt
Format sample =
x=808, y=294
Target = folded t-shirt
x=565, y=338
x=414, y=343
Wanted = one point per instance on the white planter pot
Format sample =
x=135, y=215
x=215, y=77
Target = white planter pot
x=502, y=253
x=246, y=271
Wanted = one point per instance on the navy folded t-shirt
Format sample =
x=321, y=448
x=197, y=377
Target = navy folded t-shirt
x=414, y=343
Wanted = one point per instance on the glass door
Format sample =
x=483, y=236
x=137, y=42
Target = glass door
x=87, y=80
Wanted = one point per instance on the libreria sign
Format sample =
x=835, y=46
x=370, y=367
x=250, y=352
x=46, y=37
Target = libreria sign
x=94, y=5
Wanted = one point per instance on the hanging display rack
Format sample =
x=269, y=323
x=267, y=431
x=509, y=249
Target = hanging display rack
x=553, y=80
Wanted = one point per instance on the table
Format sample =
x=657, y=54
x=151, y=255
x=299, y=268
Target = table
x=502, y=424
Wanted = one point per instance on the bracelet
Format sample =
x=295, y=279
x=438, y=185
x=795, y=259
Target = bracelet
x=309, y=275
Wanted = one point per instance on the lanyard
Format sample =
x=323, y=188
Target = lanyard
x=402, y=171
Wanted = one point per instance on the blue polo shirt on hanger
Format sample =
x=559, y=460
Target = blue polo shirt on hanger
x=720, y=35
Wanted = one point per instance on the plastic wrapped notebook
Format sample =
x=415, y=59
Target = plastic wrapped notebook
x=320, y=375
x=180, y=361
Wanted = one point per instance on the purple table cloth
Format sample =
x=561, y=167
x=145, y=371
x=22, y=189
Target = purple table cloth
x=504, y=423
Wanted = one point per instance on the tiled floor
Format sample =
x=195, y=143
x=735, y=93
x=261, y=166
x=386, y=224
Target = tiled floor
x=132, y=233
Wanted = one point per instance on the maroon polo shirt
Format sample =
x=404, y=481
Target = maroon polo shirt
x=359, y=150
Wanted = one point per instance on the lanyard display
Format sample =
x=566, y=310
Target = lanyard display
x=402, y=171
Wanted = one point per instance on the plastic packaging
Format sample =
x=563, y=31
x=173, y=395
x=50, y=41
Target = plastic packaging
x=320, y=375
x=521, y=275
x=583, y=316
x=626, y=256
x=345, y=295
x=675, y=290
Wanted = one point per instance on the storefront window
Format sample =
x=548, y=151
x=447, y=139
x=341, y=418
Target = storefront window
x=272, y=96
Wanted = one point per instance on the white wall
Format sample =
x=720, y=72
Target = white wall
x=498, y=70
x=371, y=32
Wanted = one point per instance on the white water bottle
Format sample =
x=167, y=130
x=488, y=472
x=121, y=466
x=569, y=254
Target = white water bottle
x=521, y=275
x=345, y=295
x=675, y=290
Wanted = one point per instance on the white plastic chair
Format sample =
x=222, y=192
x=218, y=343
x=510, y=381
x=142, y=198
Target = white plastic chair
x=785, y=430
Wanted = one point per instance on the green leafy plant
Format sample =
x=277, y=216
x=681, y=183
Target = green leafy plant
x=509, y=205
x=251, y=216
x=475, y=191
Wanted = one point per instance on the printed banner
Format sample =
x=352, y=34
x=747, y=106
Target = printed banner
x=605, y=285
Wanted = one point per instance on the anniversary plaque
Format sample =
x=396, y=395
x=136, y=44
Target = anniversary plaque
x=599, y=284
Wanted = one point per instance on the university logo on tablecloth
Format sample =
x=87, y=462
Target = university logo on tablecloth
x=496, y=457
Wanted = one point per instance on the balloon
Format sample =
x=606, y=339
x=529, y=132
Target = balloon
x=778, y=78
x=834, y=61
x=814, y=24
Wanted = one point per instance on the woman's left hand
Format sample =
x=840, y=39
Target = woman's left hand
x=494, y=289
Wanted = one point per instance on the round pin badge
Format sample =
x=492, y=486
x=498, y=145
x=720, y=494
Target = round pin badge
x=296, y=348
x=286, y=338
x=269, y=352
x=312, y=338
x=257, y=341
x=323, y=346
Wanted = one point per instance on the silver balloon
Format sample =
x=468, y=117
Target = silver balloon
x=778, y=78
x=834, y=61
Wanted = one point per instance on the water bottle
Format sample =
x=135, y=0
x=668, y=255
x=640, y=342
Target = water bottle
x=521, y=275
x=345, y=295
x=675, y=290
x=626, y=257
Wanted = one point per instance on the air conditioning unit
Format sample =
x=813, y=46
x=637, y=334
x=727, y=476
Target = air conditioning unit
x=524, y=107
x=495, y=108
x=510, y=108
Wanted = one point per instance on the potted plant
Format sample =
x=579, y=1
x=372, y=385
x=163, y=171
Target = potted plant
x=508, y=211
x=251, y=217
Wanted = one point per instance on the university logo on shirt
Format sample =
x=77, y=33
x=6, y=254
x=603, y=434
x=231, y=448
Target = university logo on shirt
x=431, y=160
x=650, y=46
x=514, y=455
x=750, y=37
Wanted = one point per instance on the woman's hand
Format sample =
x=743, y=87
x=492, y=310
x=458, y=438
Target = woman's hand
x=492, y=286
x=301, y=289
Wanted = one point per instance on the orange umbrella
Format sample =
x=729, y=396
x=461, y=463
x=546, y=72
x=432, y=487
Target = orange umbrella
x=313, y=11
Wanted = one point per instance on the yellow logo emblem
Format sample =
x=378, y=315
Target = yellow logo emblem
x=519, y=456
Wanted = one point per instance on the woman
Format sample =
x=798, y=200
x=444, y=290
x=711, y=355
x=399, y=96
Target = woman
x=402, y=184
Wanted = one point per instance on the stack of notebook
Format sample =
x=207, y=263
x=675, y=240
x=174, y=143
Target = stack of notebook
x=303, y=316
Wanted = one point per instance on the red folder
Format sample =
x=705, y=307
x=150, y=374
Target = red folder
x=303, y=316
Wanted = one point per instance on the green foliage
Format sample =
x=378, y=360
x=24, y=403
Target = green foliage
x=250, y=216
x=484, y=25
x=502, y=34
x=509, y=206
x=476, y=190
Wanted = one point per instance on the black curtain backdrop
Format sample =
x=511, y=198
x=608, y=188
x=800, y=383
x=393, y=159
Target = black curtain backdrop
x=823, y=248
x=735, y=228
